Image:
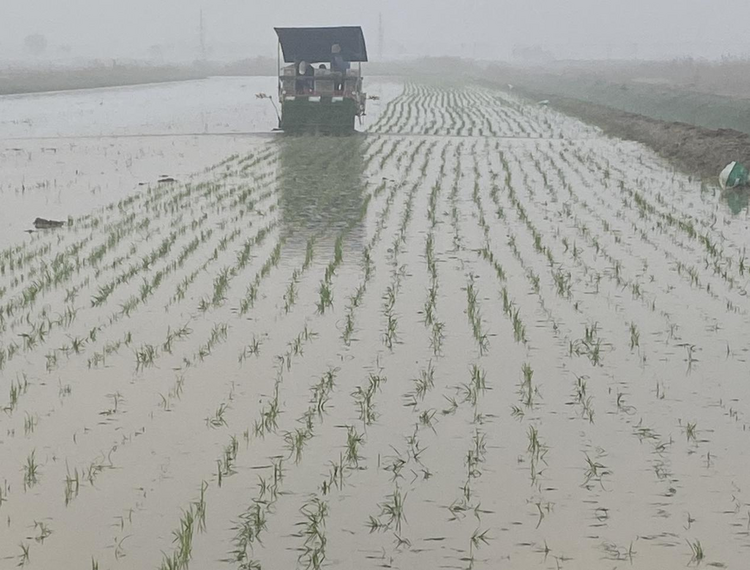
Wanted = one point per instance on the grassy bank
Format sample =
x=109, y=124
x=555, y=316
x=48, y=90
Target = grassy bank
x=660, y=99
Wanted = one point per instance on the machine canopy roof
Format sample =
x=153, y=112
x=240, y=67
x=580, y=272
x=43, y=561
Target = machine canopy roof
x=314, y=44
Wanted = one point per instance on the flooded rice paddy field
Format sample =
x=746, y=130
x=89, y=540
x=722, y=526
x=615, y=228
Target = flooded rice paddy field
x=480, y=335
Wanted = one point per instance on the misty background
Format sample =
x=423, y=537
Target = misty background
x=40, y=32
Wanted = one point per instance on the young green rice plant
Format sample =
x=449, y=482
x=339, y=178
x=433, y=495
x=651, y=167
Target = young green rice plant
x=392, y=514
x=390, y=336
x=348, y=331
x=31, y=471
x=225, y=464
x=696, y=548
x=325, y=297
x=43, y=531
x=364, y=398
x=4, y=492
x=477, y=540
x=436, y=338
x=29, y=423
x=594, y=471
x=635, y=336
x=519, y=329
x=251, y=525
x=322, y=390
x=690, y=431
x=476, y=386
x=23, y=558
x=269, y=415
x=252, y=349
x=537, y=450
x=353, y=442
x=218, y=420
x=425, y=382
x=290, y=297
x=528, y=390
x=145, y=356
x=313, y=531
x=72, y=485
x=295, y=442
x=18, y=388
x=183, y=541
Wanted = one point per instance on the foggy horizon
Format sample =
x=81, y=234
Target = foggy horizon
x=169, y=31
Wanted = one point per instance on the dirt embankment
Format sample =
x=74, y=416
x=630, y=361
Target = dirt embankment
x=698, y=132
x=700, y=151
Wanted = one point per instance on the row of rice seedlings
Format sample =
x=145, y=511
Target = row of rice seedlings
x=510, y=309
x=193, y=520
x=18, y=387
x=683, y=221
x=561, y=278
x=226, y=275
x=600, y=249
x=431, y=321
x=294, y=440
x=591, y=345
x=247, y=302
x=291, y=294
x=364, y=398
x=367, y=263
x=390, y=334
x=253, y=521
x=148, y=287
x=582, y=398
x=616, y=275
x=117, y=233
x=474, y=315
x=453, y=198
x=469, y=502
x=242, y=259
x=145, y=356
x=686, y=271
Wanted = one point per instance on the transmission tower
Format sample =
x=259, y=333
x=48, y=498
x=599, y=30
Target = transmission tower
x=381, y=36
x=202, y=36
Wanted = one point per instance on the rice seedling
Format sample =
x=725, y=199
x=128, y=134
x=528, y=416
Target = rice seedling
x=24, y=558
x=145, y=356
x=696, y=549
x=634, y=336
x=325, y=297
x=295, y=442
x=29, y=424
x=519, y=329
x=252, y=349
x=4, y=492
x=313, y=531
x=218, y=419
x=43, y=531
x=477, y=540
x=18, y=388
x=353, y=442
x=391, y=515
x=425, y=382
x=594, y=471
x=690, y=431
x=31, y=471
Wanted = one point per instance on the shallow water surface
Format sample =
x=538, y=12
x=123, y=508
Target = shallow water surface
x=481, y=335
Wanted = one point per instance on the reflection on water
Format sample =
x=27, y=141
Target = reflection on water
x=321, y=183
x=737, y=199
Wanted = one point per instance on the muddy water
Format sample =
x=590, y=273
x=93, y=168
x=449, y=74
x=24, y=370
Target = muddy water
x=483, y=335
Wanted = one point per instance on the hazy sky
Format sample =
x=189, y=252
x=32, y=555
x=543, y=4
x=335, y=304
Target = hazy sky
x=568, y=28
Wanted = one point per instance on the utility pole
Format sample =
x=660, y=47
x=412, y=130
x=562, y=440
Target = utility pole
x=202, y=37
x=381, y=36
